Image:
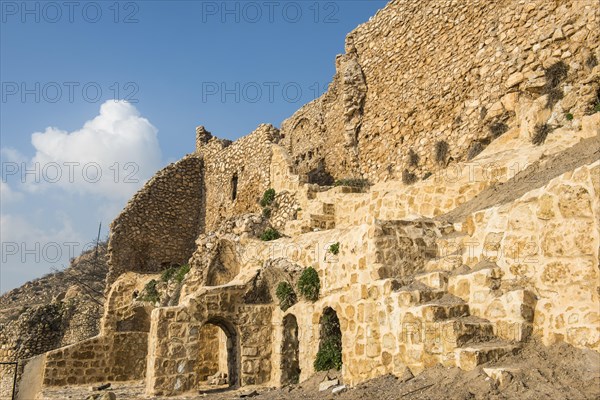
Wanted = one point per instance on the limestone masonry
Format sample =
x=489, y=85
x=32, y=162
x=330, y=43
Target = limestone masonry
x=445, y=189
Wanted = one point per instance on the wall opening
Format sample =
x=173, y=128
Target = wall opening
x=217, y=366
x=290, y=354
x=234, y=187
x=329, y=355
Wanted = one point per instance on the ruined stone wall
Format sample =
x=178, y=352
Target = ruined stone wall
x=548, y=242
x=118, y=357
x=440, y=71
x=160, y=223
x=43, y=328
x=176, y=348
x=237, y=174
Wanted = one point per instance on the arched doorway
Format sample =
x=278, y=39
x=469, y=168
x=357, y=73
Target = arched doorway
x=290, y=355
x=329, y=355
x=218, y=365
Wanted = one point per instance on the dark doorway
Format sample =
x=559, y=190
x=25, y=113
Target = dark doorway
x=290, y=355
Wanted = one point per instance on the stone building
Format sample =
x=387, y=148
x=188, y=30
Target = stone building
x=463, y=140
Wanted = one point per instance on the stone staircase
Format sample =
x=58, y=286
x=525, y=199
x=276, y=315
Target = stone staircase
x=325, y=220
x=445, y=330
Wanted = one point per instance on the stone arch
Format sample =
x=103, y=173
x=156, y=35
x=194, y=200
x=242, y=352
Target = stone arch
x=290, y=351
x=219, y=353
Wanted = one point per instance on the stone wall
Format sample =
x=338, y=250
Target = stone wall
x=237, y=174
x=176, y=348
x=118, y=357
x=43, y=328
x=420, y=73
x=548, y=242
x=160, y=223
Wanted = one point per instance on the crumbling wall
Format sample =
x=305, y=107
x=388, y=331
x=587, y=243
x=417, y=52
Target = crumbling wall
x=237, y=174
x=160, y=223
x=43, y=328
x=423, y=72
x=118, y=357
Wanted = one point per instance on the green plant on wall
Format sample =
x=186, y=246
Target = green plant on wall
x=334, y=248
x=181, y=273
x=268, y=198
x=175, y=273
x=329, y=355
x=270, y=234
x=286, y=295
x=309, y=284
x=150, y=292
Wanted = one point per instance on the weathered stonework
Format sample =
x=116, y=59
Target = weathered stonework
x=457, y=267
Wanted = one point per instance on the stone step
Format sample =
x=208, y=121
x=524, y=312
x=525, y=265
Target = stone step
x=469, y=357
x=463, y=330
x=444, y=308
x=417, y=293
x=443, y=338
x=322, y=222
x=446, y=264
x=435, y=279
x=466, y=284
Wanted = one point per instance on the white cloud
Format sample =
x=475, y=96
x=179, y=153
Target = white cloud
x=8, y=195
x=110, y=156
x=47, y=218
x=8, y=154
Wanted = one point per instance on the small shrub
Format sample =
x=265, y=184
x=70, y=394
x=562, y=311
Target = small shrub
x=441, y=151
x=591, y=61
x=408, y=178
x=352, y=182
x=334, y=248
x=329, y=355
x=569, y=116
x=554, y=96
x=175, y=273
x=482, y=113
x=150, y=292
x=413, y=158
x=286, y=295
x=167, y=274
x=268, y=198
x=540, y=133
x=498, y=129
x=555, y=74
x=266, y=212
x=181, y=273
x=309, y=284
x=427, y=175
x=474, y=150
x=270, y=234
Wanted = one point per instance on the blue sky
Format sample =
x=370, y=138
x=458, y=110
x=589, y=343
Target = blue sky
x=72, y=156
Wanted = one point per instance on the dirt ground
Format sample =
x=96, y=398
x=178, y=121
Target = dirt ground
x=537, y=372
